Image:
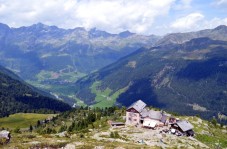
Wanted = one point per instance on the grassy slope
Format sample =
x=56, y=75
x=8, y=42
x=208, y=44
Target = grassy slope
x=105, y=98
x=207, y=133
x=22, y=120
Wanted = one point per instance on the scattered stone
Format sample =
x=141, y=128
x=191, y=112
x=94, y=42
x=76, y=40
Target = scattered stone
x=34, y=142
x=70, y=146
x=62, y=134
x=78, y=143
x=90, y=129
x=119, y=148
x=99, y=147
x=224, y=131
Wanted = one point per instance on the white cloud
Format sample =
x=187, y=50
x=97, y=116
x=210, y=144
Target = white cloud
x=195, y=22
x=187, y=22
x=111, y=15
x=183, y=4
x=214, y=22
x=140, y=16
x=220, y=2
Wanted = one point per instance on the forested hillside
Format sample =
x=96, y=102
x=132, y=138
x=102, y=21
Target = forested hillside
x=188, y=78
x=17, y=96
x=53, y=58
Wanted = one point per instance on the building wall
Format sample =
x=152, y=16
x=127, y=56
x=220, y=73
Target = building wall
x=132, y=118
x=157, y=121
x=149, y=119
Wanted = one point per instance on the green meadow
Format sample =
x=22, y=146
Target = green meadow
x=22, y=120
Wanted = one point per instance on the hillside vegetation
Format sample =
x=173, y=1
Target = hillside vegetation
x=22, y=120
x=89, y=128
x=53, y=58
x=17, y=96
x=188, y=78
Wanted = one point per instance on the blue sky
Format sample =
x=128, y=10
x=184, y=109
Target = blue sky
x=140, y=16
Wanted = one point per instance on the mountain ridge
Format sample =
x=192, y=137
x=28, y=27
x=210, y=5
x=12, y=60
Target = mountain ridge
x=17, y=96
x=42, y=40
x=52, y=58
x=217, y=33
x=168, y=76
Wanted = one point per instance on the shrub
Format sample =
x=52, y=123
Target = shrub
x=17, y=130
x=214, y=121
x=81, y=135
x=114, y=135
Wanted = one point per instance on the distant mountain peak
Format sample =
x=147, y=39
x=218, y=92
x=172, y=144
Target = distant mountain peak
x=39, y=25
x=4, y=26
x=221, y=27
x=126, y=34
x=218, y=33
x=94, y=32
x=94, y=29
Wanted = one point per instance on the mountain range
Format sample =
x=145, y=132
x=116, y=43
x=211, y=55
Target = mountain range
x=52, y=58
x=179, y=72
x=187, y=76
x=49, y=48
x=218, y=33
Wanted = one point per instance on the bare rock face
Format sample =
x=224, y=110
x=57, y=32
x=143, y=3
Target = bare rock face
x=218, y=33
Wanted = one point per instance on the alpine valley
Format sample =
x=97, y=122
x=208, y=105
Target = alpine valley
x=181, y=72
x=184, y=73
x=53, y=59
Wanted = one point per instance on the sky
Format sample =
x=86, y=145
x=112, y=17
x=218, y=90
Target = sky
x=145, y=17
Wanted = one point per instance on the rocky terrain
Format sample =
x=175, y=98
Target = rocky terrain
x=63, y=132
x=129, y=137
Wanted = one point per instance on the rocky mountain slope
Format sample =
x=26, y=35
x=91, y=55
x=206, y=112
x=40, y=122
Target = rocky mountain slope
x=218, y=33
x=189, y=78
x=17, y=96
x=52, y=59
x=30, y=50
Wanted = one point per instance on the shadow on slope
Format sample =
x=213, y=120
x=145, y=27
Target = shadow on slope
x=204, y=69
x=141, y=89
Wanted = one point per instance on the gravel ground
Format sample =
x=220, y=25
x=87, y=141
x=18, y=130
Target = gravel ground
x=150, y=137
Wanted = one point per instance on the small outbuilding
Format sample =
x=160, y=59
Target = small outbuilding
x=117, y=124
x=184, y=126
